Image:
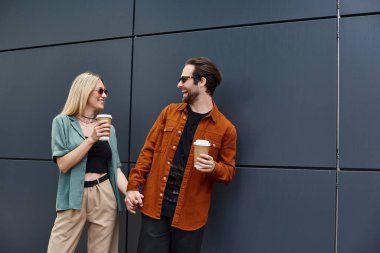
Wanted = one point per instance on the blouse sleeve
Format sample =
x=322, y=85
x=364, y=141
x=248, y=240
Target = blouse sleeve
x=59, y=138
x=116, y=152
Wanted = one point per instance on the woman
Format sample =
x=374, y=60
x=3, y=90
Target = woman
x=90, y=174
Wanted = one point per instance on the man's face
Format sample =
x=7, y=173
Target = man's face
x=190, y=91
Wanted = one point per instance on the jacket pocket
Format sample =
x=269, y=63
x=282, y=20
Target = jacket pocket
x=216, y=142
x=163, y=139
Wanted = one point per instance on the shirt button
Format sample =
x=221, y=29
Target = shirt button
x=184, y=117
x=169, y=162
x=161, y=194
x=174, y=147
x=214, y=145
x=179, y=132
x=164, y=178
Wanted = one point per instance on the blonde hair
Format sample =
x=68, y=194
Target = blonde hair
x=80, y=90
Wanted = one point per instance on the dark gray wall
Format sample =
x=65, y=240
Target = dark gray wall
x=292, y=64
x=270, y=223
x=359, y=224
x=359, y=7
x=360, y=91
x=26, y=23
x=171, y=15
x=280, y=88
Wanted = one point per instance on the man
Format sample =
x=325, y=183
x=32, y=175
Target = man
x=176, y=192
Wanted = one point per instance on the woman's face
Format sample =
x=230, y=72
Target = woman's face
x=97, y=98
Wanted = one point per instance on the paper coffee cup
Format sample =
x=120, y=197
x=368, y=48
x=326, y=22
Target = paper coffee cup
x=200, y=147
x=107, y=117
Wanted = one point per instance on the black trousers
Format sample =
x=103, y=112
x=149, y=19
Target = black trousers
x=159, y=237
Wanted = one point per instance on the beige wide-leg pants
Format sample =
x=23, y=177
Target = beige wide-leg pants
x=99, y=211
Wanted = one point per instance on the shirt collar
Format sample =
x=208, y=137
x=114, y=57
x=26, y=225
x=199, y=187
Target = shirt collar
x=76, y=126
x=213, y=113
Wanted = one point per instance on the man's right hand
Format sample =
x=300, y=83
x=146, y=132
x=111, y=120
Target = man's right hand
x=132, y=200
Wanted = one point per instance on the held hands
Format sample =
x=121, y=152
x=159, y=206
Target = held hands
x=132, y=200
x=205, y=163
x=101, y=128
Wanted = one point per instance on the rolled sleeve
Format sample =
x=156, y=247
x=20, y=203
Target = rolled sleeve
x=224, y=169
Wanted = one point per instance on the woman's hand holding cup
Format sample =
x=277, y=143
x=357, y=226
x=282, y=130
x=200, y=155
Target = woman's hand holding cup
x=104, y=126
x=101, y=130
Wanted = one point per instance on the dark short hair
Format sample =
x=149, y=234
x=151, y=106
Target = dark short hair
x=206, y=68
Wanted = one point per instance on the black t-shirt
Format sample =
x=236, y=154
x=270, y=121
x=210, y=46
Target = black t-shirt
x=179, y=163
x=98, y=156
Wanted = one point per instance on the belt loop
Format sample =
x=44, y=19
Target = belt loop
x=98, y=182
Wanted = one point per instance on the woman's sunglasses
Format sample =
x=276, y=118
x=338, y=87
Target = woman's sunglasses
x=101, y=91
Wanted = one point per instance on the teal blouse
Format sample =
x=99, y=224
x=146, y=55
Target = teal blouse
x=66, y=135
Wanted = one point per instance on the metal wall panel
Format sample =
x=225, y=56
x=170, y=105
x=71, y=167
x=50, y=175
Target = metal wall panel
x=356, y=7
x=26, y=23
x=273, y=210
x=28, y=191
x=360, y=104
x=171, y=15
x=268, y=210
x=359, y=209
x=35, y=84
x=279, y=88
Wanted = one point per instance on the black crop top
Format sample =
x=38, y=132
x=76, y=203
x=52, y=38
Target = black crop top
x=98, y=157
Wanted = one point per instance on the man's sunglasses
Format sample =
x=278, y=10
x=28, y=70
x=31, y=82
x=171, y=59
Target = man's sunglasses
x=101, y=91
x=183, y=79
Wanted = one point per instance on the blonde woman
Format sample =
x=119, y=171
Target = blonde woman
x=90, y=174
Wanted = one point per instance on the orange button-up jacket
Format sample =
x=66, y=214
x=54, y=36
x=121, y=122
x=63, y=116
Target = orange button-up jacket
x=153, y=165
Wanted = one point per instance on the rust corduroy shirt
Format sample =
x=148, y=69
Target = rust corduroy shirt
x=153, y=165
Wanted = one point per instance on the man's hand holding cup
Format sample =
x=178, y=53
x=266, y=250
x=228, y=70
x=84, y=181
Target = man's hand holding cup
x=202, y=161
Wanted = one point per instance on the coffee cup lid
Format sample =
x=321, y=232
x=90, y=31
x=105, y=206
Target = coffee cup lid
x=202, y=143
x=104, y=116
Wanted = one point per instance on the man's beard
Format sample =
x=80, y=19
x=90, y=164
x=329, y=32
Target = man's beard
x=191, y=97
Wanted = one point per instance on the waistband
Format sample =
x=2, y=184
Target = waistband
x=95, y=182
